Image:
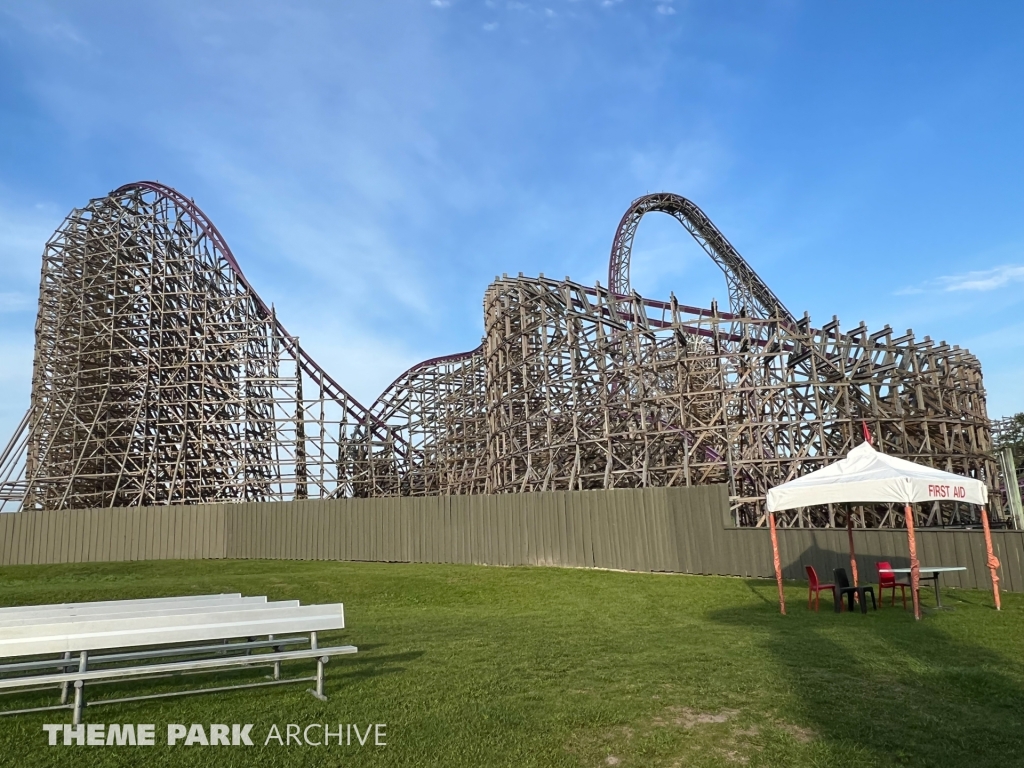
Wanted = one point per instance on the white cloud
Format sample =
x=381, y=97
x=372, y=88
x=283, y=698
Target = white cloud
x=984, y=280
x=320, y=163
x=690, y=166
x=24, y=231
x=665, y=9
x=16, y=302
x=345, y=158
x=15, y=382
x=978, y=280
x=40, y=21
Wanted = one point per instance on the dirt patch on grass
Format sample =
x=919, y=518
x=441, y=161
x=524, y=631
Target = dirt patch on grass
x=622, y=732
x=684, y=717
x=727, y=735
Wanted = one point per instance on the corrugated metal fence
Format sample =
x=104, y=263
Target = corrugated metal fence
x=680, y=530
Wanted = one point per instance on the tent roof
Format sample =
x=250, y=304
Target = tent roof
x=866, y=475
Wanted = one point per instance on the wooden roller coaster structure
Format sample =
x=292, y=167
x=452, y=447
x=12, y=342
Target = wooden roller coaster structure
x=161, y=377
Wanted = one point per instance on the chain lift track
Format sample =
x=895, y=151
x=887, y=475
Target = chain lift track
x=162, y=377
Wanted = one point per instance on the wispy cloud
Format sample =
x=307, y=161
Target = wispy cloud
x=372, y=170
x=978, y=280
x=24, y=230
x=985, y=280
x=40, y=21
x=15, y=302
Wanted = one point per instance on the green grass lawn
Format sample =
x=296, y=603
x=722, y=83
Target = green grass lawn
x=474, y=666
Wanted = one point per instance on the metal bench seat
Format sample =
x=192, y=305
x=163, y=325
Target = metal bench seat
x=125, y=605
x=146, y=630
x=125, y=631
x=72, y=617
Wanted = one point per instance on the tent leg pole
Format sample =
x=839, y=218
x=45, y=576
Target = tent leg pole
x=777, y=562
x=992, y=560
x=915, y=566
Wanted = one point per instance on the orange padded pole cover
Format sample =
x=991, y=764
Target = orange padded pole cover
x=915, y=566
x=993, y=561
x=778, y=562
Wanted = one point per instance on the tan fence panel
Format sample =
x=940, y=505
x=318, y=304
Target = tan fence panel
x=685, y=530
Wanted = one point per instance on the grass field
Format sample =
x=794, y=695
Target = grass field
x=473, y=666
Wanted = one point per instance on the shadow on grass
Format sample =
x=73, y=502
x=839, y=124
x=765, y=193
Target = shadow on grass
x=968, y=597
x=758, y=594
x=905, y=691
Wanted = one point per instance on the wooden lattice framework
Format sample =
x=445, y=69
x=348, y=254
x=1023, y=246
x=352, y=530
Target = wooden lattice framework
x=161, y=377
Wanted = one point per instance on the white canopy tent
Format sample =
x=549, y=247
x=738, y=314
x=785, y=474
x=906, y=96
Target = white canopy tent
x=866, y=475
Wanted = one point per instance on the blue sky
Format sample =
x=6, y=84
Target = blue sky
x=375, y=164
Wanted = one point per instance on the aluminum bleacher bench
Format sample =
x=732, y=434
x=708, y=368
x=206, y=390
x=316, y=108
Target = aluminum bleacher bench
x=131, y=639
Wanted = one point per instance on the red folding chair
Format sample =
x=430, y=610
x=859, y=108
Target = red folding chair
x=887, y=580
x=815, y=588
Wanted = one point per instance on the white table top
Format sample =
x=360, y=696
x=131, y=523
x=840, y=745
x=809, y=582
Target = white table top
x=929, y=569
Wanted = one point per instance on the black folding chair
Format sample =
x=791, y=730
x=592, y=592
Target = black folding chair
x=843, y=587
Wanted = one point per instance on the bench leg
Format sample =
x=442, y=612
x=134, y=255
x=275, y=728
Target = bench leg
x=319, y=692
x=277, y=664
x=83, y=664
x=64, y=686
x=76, y=716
